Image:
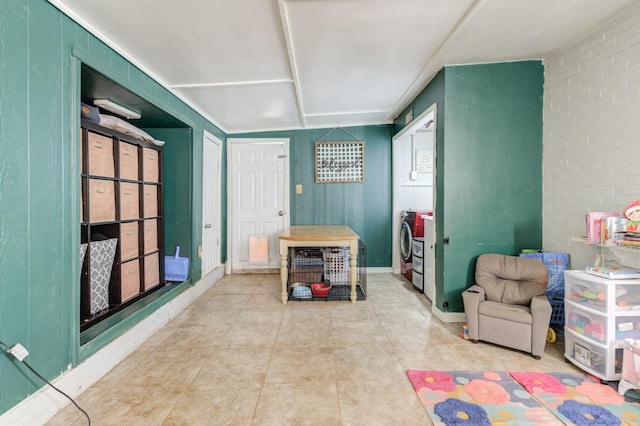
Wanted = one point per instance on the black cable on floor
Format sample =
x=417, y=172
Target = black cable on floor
x=7, y=348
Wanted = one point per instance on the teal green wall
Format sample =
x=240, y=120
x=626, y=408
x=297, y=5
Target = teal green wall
x=489, y=147
x=488, y=166
x=177, y=175
x=40, y=54
x=365, y=207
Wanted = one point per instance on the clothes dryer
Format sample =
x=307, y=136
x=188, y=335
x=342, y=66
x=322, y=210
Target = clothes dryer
x=412, y=226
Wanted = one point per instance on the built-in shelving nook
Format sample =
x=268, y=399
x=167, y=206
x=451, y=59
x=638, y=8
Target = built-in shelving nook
x=136, y=206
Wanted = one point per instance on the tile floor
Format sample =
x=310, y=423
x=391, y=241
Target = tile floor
x=239, y=356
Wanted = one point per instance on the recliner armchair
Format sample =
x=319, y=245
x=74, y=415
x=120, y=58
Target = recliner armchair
x=508, y=305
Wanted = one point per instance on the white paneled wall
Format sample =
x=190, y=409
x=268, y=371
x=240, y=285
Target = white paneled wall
x=415, y=192
x=591, y=132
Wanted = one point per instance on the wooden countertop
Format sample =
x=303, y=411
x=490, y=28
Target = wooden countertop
x=318, y=233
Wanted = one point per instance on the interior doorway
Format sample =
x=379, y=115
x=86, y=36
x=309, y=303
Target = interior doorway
x=258, y=188
x=211, y=188
x=414, y=177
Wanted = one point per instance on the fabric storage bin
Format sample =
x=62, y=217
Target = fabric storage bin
x=100, y=155
x=101, y=256
x=150, y=200
x=150, y=169
x=151, y=271
x=129, y=201
x=128, y=241
x=128, y=161
x=102, y=202
x=129, y=280
x=150, y=235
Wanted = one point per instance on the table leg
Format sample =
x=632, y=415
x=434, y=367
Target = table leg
x=284, y=271
x=353, y=259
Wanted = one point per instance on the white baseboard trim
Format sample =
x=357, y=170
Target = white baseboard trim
x=379, y=270
x=449, y=316
x=44, y=404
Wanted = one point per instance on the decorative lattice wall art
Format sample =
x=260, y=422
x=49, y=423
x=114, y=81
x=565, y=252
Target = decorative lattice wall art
x=337, y=162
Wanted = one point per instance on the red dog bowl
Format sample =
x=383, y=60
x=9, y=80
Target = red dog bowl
x=320, y=289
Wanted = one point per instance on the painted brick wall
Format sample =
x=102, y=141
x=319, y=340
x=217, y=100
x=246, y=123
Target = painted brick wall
x=591, y=132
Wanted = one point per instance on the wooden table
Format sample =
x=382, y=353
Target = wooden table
x=319, y=236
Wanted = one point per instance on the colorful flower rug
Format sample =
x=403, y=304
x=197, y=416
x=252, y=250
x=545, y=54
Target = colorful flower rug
x=577, y=399
x=477, y=398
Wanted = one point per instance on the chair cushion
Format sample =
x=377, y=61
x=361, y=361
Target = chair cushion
x=511, y=313
x=511, y=279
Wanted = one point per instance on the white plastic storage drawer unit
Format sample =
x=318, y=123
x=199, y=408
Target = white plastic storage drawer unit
x=599, y=314
x=591, y=357
x=586, y=323
x=417, y=249
x=418, y=264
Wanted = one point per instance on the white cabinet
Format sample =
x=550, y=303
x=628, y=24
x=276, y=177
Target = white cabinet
x=599, y=314
x=429, y=259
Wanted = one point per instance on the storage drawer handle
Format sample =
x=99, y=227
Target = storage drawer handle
x=131, y=270
x=127, y=192
x=147, y=193
x=147, y=228
x=151, y=157
x=98, y=145
x=126, y=152
x=101, y=190
x=130, y=232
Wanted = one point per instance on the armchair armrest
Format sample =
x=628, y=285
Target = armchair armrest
x=541, y=316
x=471, y=299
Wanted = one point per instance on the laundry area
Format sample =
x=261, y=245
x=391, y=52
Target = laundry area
x=414, y=202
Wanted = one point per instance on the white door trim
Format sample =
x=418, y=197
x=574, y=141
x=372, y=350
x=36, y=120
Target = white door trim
x=231, y=142
x=410, y=128
x=218, y=201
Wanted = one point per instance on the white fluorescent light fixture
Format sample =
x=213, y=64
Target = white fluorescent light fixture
x=116, y=108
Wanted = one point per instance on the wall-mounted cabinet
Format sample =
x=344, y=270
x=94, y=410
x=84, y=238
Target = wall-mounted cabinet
x=122, y=222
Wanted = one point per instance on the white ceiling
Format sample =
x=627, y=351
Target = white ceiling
x=254, y=65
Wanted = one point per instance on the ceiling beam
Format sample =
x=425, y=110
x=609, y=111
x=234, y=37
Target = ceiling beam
x=426, y=73
x=329, y=114
x=286, y=32
x=231, y=83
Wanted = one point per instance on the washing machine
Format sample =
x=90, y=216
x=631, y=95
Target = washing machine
x=412, y=226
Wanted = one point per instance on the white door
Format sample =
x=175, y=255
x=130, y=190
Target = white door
x=211, y=184
x=259, y=200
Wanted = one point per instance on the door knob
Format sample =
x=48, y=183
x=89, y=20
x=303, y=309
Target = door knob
x=280, y=213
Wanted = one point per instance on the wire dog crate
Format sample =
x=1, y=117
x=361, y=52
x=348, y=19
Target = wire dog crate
x=328, y=265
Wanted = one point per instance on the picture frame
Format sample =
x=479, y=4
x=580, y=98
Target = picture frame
x=339, y=162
